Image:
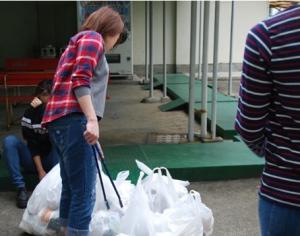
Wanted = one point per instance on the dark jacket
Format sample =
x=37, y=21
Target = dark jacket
x=37, y=138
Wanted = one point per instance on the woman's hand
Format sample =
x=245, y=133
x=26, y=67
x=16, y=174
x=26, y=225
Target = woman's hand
x=35, y=102
x=41, y=174
x=91, y=134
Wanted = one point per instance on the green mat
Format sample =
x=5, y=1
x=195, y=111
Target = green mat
x=156, y=84
x=178, y=90
x=174, y=79
x=226, y=112
x=182, y=91
x=180, y=94
x=192, y=161
x=171, y=79
x=172, y=105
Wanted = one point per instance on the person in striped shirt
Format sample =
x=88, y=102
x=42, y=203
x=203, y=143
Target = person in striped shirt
x=268, y=117
x=76, y=104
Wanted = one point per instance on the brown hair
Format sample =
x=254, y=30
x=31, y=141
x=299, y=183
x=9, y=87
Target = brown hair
x=105, y=21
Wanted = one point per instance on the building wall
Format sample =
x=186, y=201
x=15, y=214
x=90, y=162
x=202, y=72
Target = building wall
x=28, y=26
x=31, y=25
x=57, y=22
x=178, y=30
x=18, y=24
x=139, y=32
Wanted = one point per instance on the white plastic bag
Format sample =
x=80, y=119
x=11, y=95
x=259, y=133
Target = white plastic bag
x=49, y=185
x=137, y=220
x=111, y=196
x=157, y=206
x=190, y=217
x=124, y=187
x=160, y=223
x=178, y=185
x=32, y=224
x=45, y=195
x=160, y=190
x=54, y=185
x=204, y=211
x=105, y=223
x=182, y=220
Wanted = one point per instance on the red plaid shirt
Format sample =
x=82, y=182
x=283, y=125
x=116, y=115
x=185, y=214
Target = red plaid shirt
x=75, y=68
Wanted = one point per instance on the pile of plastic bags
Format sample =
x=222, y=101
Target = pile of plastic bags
x=157, y=206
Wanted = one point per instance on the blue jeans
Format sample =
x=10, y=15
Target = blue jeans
x=277, y=219
x=16, y=155
x=78, y=173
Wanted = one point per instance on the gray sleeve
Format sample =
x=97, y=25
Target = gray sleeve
x=82, y=91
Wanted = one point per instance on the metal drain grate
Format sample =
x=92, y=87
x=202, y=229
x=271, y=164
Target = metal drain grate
x=153, y=138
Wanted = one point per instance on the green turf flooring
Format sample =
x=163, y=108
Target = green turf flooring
x=192, y=161
x=156, y=84
x=171, y=79
x=173, y=105
x=180, y=94
x=178, y=90
x=174, y=79
x=226, y=112
x=182, y=91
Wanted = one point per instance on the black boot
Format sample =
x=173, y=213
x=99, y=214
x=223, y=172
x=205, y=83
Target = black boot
x=22, y=198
